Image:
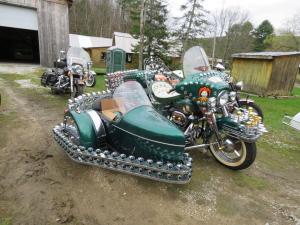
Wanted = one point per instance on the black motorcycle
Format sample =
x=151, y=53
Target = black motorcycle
x=71, y=73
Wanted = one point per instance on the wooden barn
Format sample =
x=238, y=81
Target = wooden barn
x=266, y=73
x=33, y=31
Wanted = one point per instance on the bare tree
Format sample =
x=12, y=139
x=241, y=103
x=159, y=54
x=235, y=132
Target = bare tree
x=220, y=22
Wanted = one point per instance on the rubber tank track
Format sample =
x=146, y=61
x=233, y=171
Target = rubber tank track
x=104, y=158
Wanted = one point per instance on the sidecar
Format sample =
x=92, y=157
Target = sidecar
x=123, y=132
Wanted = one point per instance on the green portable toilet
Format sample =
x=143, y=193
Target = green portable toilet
x=115, y=59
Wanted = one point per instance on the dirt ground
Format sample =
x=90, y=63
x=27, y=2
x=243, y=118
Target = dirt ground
x=39, y=184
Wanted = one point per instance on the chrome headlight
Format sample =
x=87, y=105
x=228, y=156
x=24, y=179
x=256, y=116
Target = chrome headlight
x=212, y=102
x=223, y=98
x=232, y=96
x=77, y=69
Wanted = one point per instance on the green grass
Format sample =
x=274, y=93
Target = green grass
x=296, y=91
x=99, y=70
x=5, y=221
x=298, y=78
x=100, y=84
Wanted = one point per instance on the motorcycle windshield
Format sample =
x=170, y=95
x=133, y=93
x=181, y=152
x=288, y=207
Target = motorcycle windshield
x=129, y=96
x=77, y=55
x=195, y=60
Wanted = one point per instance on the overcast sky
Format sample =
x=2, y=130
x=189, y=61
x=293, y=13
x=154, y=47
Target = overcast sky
x=276, y=11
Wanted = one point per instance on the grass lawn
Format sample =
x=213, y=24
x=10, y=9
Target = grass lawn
x=99, y=70
x=100, y=84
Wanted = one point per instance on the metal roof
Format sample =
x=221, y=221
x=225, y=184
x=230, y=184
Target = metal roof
x=263, y=55
x=125, y=41
x=89, y=41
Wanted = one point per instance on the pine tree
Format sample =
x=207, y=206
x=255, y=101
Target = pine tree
x=155, y=30
x=264, y=31
x=192, y=23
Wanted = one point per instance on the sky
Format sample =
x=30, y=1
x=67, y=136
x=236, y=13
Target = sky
x=276, y=11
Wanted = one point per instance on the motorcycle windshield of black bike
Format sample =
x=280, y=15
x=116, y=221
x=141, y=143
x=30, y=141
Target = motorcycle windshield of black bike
x=77, y=56
x=195, y=60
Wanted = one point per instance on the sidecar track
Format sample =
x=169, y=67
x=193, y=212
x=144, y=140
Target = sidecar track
x=108, y=159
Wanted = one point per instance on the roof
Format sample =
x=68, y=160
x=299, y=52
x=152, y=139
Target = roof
x=263, y=55
x=89, y=41
x=125, y=41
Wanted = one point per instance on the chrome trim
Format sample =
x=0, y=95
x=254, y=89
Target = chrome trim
x=219, y=96
x=147, y=138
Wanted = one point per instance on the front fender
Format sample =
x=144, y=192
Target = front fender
x=85, y=125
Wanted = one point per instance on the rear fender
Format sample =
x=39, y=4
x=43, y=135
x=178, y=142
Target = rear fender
x=88, y=127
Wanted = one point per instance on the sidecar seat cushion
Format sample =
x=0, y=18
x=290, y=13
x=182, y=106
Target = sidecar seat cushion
x=110, y=106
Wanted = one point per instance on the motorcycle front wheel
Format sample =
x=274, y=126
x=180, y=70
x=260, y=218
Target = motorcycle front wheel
x=91, y=81
x=236, y=156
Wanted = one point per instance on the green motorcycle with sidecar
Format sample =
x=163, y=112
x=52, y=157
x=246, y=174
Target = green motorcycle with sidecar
x=122, y=130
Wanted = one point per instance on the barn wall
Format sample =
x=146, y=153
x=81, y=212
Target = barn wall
x=53, y=22
x=255, y=73
x=285, y=69
x=53, y=30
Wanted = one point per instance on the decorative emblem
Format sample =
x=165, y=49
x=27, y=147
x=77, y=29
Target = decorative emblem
x=203, y=94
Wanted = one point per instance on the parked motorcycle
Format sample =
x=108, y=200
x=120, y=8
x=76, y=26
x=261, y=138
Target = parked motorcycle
x=195, y=61
x=198, y=101
x=123, y=131
x=71, y=73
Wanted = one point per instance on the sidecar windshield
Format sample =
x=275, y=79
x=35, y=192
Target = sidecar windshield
x=195, y=60
x=130, y=95
x=77, y=55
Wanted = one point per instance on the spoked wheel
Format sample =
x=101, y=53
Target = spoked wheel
x=234, y=154
x=91, y=80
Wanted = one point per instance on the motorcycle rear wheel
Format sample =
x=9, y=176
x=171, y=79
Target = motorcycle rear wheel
x=237, y=157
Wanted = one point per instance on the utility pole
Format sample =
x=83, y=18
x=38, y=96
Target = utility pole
x=142, y=23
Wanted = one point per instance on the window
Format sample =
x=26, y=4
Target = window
x=103, y=56
x=129, y=58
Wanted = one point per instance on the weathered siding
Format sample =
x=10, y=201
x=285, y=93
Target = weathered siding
x=95, y=54
x=254, y=73
x=53, y=30
x=53, y=22
x=284, y=75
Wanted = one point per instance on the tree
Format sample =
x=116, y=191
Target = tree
x=149, y=25
x=98, y=18
x=191, y=24
x=224, y=25
x=264, y=31
x=239, y=39
x=156, y=30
